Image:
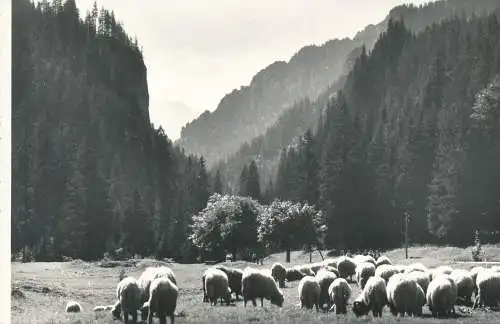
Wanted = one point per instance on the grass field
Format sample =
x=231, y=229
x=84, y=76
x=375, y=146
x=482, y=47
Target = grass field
x=47, y=287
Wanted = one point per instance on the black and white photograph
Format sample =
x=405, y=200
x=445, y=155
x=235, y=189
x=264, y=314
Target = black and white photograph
x=263, y=161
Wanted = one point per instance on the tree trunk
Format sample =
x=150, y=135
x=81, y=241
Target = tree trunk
x=288, y=255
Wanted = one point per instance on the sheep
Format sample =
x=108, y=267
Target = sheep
x=495, y=268
x=128, y=294
x=331, y=262
x=217, y=286
x=332, y=269
x=402, y=295
x=488, y=284
x=363, y=272
x=373, y=297
x=420, y=301
x=364, y=258
x=441, y=270
x=385, y=271
x=316, y=266
x=258, y=284
x=293, y=274
x=278, y=272
x=73, y=307
x=306, y=269
x=234, y=276
x=147, y=276
x=324, y=279
x=162, y=301
x=346, y=267
x=473, y=272
x=416, y=267
x=441, y=295
x=309, y=292
x=382, y=260
x=339, y=293
x=205, y=296
x=465, y=284
x=421, y=278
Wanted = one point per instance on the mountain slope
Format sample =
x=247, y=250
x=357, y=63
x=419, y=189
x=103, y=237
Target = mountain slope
x=287, y=128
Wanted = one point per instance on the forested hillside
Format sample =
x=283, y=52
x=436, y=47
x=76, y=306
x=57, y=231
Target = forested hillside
x=415, y=130
x=304, y=114
x=89, y=173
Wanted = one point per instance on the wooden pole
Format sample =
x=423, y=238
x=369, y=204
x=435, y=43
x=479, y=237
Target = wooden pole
x=406, y=234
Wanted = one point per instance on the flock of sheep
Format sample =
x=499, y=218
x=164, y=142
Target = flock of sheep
x=405, y=289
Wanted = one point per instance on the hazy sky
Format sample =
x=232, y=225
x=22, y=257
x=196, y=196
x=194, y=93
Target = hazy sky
x=197, y=51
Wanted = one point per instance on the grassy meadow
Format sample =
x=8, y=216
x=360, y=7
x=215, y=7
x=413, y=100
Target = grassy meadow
x=43, y=289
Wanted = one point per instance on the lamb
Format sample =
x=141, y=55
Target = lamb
x=441, y=295
x=382, y=260
x=339, y=293
x=363, y=272
x=162, y=301
x=385, y=271
x=346, y=267
x=234, y=276
x=73, y=307
x=293, y=274
x=465, y=284
x=421, y=278
x=402, y=295
x=309, y=292
x=373, y=297
x=217, y=286
x=324, y=279
x=488, y=284
x=257, y=284
x=128, y=294
x=278, y=272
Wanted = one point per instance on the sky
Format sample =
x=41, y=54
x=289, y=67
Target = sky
x=196, y=51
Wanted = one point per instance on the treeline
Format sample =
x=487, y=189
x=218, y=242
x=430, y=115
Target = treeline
x=89, y=172
x=416, y=129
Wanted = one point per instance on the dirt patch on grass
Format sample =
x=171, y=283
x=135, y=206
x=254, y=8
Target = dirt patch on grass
x=36, y=287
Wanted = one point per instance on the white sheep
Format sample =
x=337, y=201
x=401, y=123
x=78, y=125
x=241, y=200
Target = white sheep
x=495, y=268
x=309, y=292
x=332, y=269
x=258, y=284
x=373, y=297
x=163, y=294
x=402, y=295
x=128, y=294
x=488, y=284
x=346, y=267
x=217, y=286
x=473, y=272
x=465, y=284
x=278, y=272
x=359, y=258
x=306, y=269
x=147, y=277
x=385, y=271
x=382, y=260
x=416, y=267
x=324, y=279
x=364, y=271
x=339, y=293
x=421, y=278
x=73, y=307
x=234, y=276
x=316, y=266
x=331, y=262
x=441, y=270
x=441, y=295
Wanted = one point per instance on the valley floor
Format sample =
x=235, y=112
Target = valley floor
x=45, y=288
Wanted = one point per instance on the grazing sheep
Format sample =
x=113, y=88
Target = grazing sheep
x=293, y=274
x=358, y=259
x=385, y=271
x=346, y=267
x=234, y=276
x=421, y=278
x=465, y=284
x=416, y=267
x=363, y=272
x=324, y=279
x=473, y=272
x=73, y=307
x=373, y=297
x=488, y=284
x=331, y=262
x=306, y=269
x=217, y=286
x=420, y=301
x=441, y=270
x=309, y=292
x=495, y=268
x=316, y=266
x=278, y=272
x=205, y=297
x=258, y=284
x=401, y=268
x=332, y=269
x=147, y=277
x=441, y=295
x=383, y=260
x=339, y=293
x=128, y=294
x=162, y=300
x=402, y=294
